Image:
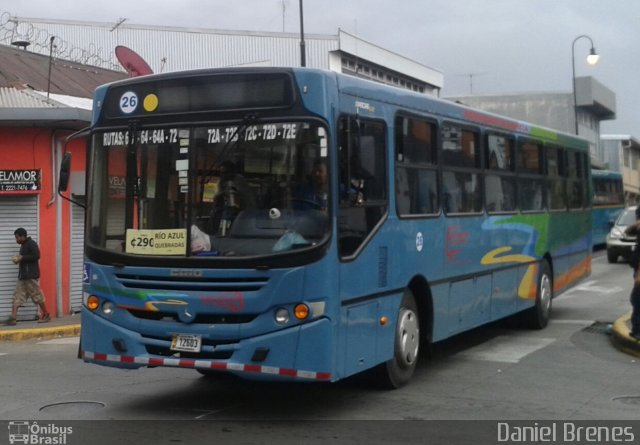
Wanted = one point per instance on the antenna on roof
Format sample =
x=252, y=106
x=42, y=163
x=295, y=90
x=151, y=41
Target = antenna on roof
x=120, y=22
x=132, y=62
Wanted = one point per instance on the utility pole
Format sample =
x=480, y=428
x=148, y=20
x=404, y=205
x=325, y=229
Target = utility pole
x=284, y=7
x=303, y=56
x=50, y=63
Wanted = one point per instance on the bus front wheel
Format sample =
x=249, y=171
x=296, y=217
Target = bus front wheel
x=398, y=371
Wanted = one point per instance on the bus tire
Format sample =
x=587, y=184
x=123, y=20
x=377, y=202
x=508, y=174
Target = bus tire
x=538, y=316
x=398, y=371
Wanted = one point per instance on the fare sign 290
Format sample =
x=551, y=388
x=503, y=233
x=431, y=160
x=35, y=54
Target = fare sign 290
x=156, y=242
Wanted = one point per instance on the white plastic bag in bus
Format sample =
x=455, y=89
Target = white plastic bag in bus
x=200, y=241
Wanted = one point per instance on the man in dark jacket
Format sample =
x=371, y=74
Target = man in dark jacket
x=28, y=285
x=634, y=262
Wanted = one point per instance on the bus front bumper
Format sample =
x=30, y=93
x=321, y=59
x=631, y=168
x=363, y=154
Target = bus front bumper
x=289, y=354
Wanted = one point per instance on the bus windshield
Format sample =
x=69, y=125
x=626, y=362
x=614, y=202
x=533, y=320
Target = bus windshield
x=219, y=191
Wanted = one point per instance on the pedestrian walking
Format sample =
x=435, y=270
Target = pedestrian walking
x=28, y=284
x=634, y=262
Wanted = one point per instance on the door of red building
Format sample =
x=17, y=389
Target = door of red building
x=15, y=211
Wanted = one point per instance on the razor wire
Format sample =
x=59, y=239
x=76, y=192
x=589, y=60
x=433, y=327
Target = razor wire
x=14, y=29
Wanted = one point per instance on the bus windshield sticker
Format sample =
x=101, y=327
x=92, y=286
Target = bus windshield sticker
x=157, y=242
x=128, y=102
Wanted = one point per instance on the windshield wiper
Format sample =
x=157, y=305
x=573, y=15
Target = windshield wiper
x=232, y=142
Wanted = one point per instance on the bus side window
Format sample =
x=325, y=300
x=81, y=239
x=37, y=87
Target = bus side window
x=499, y=182
x=556, y=182
x=461, y=179
x=416, y=181
x=531, y=182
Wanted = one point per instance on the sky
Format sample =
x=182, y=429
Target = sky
x=482, y=47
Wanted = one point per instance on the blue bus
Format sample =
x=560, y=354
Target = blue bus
x=608, y=202
x=299, y=224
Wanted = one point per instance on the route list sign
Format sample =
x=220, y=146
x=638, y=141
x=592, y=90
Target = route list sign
x=20, y=181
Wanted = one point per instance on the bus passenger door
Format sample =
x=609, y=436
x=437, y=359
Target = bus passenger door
x=362, y=189
x=362, y=242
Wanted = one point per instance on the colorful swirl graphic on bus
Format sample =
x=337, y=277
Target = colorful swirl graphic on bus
x=528, y=286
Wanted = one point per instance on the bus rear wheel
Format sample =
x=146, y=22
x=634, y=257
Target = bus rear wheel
x=538, y=316
x=398, y=371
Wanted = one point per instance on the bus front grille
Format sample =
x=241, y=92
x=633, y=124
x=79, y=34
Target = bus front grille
x=194, y=284
x=199, y=319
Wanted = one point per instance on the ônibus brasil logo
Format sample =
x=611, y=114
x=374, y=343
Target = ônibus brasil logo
x=32, y=433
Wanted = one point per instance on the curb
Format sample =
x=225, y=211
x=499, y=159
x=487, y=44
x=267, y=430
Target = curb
x=40, y=333
x=621, y=339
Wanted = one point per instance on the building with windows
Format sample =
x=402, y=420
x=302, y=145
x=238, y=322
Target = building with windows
x=622, y=153
x=595, y=103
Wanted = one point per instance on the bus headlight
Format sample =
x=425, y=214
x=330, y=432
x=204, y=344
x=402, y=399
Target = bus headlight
x=93, y=302
x=108, y=307
x=317, y=309
x=282, y=316
x=300, y=312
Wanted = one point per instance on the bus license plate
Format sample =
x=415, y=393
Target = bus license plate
x=188, y=343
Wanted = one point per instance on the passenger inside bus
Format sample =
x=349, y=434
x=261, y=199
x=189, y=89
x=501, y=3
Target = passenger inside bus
x=234, y=194
x=314, y=193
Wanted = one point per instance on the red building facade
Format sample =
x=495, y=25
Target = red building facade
x=28, y=198
x=42, y=101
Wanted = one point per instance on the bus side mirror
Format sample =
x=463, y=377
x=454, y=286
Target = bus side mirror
x=65, y=172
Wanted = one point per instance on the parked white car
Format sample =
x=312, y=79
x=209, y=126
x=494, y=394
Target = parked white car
x=619, y=244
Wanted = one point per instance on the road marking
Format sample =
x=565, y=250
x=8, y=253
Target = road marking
x=507, y=349
x=590, y=286
x=61, y=341
x=215, y=411
x=578, y=322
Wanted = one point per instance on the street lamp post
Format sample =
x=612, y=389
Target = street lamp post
x=592, y=59
x=303, y=56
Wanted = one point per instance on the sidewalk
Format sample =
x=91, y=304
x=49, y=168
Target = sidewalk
x=620, y=336
x=67, y=326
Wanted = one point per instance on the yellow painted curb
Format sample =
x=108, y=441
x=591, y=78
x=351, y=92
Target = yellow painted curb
x=621, y=339
x=40, y=333
x=620, y=325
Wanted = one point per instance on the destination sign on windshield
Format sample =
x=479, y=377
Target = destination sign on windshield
x=215, y=135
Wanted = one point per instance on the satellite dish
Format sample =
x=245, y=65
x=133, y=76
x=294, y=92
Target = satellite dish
x=132, y=62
